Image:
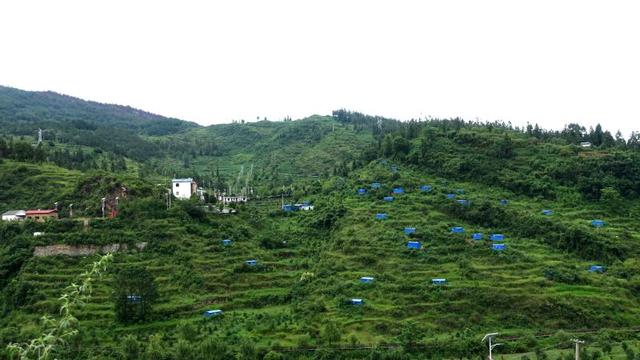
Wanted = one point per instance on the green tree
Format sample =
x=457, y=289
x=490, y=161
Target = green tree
x=134, y=294
x=331, y=334
x=130, y=348
x=611, y=198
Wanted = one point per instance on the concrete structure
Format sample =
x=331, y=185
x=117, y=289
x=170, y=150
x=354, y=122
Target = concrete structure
x=42, y=215
x=228, y=199
x=183, y=188
x=14, y=215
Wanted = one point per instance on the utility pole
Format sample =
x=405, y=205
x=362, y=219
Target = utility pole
x=70, y=210
x=104, y=200
x=490, y=337
x=578, y=343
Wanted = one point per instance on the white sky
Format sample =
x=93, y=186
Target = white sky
x=550, y=62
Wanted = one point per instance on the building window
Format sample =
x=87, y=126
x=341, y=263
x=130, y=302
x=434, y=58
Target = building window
x=177, y=184
x=177, y=193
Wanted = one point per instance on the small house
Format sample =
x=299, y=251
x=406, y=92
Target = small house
x=596, y=268
x=497, y=237
x=362, y=191
x=426, y=188
x=463, y=202
x=305, y=207
x=289, y=208
x=226, y=242
x=41, y=215
x=381, y=216
x=357, y=302
x=415, y=245
x=457, y=229
x=375, y=185
x=409, y=230
x=439, y=281
x=504, y=202
x=597, y=223
x=585, y=144
x=499, y=247
x=451, y=196
x=231, y=199
x=547, y=212
x=366, y=279
x=183, y=188
x=251, y=262
x=38, y=233
x=211, y=313
x=477, y=236
x=388, y=198
x=398, y=190
x=14, y=215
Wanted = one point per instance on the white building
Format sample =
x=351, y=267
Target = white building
x=183, y=188
x=14, y=215
x=232, y=199
x=585, y=144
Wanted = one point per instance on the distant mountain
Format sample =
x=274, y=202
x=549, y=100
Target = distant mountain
x=71, y=120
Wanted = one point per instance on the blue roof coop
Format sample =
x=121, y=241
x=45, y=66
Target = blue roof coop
x=251, y=262
x=547, y=212
x=477, y=236
x=226, y=242
x=596, y=268
x=426, y=188
x=375, y=185
x=414, y=245
x=451, y=196
x=597, y=223
x=398, y=190
x=357, y=302
x=497, y=237
x=362, y=191
x=211, y=313
x=504, y=202
x=499, y=247
x=366, y=279
x=409, y=230
x=381, y=216
x=388, y=198
x=439, y=281
x=457, y=229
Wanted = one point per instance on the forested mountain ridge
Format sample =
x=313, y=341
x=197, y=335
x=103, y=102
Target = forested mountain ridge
x=296, y=301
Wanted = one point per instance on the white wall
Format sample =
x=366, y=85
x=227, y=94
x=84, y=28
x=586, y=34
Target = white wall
x=181, y=189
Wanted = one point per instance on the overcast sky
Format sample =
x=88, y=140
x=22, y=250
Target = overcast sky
x=546, y=62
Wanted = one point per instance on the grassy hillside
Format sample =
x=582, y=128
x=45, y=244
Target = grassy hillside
x=296, y=302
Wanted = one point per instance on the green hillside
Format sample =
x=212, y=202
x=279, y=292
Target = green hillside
x=295, y=302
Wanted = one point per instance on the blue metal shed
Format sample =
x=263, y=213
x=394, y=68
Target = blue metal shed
x=398, y=190
x=226, y=242
x=504, y=202
x=426, y=188
x=499, y=247
x=497, y=237
x=414, y=245
x=362, y=191
x=409, y=230
x=547, y=212
x=210, y=313
x=451, y=196
x=597, y=223
x=596, y=268
x=477, y=236
x=457, y=229
x=366, y=279
x=357, y=302
x=439, y=281
x=388, y=198
x=251, y=262
x=381, y=216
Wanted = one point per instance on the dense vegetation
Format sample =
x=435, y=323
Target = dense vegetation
x=295, y=302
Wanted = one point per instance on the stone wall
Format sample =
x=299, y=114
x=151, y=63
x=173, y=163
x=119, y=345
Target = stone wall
x=81, y=250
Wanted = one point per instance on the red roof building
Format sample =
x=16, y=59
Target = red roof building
x=42, y=215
